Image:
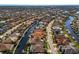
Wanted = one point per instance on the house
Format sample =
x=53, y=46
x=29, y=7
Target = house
x=6, y=47
x=62, y=40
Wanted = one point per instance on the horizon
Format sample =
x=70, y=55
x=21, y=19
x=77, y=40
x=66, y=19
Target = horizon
x=34, y=5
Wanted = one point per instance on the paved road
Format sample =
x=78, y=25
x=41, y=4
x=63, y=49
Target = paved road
x=15, y=27
x=9, y=31
x=49, y=38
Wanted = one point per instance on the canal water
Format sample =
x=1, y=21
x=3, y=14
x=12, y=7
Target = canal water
x=25, y=38
x=31, y=28
x=69, y=28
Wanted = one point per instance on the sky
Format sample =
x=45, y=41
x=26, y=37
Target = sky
x=39, y=2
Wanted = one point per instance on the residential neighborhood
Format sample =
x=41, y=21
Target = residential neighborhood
x=39, y=30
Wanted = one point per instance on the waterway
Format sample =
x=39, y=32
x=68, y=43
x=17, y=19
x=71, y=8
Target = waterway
x=25, y=38
x=70, y=30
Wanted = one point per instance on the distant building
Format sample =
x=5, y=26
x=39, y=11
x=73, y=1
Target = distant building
x=78, y=24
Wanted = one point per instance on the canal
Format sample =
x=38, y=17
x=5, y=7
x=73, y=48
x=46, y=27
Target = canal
x=25, y=38
x=69, y=28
